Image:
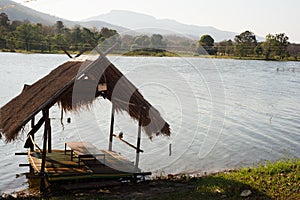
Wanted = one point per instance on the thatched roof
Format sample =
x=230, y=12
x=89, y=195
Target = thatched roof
x=73, y=85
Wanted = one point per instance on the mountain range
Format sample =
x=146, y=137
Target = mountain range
x=125, y=22
x=16, y=11
x=148, y=24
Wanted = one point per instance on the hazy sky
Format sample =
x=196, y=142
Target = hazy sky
x=260, y=16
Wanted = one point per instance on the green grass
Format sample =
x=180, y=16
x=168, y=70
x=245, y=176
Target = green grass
x=279, y=180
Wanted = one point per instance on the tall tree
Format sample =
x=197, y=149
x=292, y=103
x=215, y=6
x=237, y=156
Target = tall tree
x=258, y=50
x=245, y=43
x=283, y=43
x=207, y=43
x=27, y=34
x=4, y=28
x=4, y=20
x=268, y=46
x=157, y=42
x=275, y=46
x=59, y=40
x=76, y=37
x=142, y=41
x=229, y=47
x=107, y=33
x=59, y=27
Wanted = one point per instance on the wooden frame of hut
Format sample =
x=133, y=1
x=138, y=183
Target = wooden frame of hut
x=90, y=79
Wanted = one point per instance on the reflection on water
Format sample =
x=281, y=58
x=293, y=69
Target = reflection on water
x=260, y=120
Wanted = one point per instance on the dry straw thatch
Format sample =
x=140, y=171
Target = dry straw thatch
x=73, y=85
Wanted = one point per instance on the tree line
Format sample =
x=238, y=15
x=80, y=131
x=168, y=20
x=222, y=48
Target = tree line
x=23, y=35
x=246, y=45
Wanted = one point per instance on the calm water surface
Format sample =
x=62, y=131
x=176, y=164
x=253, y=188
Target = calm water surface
x=223, y=113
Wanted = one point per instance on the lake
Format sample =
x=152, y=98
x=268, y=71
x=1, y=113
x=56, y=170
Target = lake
x=223, y=113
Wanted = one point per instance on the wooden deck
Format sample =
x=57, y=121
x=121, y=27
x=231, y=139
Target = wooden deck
x=60, y=166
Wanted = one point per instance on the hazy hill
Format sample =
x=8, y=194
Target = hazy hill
x=17, y=11
x=123, y=21
x=148, y=24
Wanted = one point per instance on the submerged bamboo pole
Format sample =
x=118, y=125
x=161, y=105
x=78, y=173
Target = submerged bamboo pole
x=111, y=133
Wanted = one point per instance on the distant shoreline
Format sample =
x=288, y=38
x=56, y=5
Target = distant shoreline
x=167, y=54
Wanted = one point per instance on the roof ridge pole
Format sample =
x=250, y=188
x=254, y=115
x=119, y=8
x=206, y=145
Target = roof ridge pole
x=137, y=157
x=111, y=133
x=42, y=172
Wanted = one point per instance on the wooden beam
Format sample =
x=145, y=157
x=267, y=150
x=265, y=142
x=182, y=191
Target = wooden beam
x=28, y=143
x=37, y=126
x=24, y=165
x=138, y=145
x=111, y=133
x=131, y=145
x=21, y=153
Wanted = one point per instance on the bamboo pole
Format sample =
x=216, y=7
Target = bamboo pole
x=111, y=133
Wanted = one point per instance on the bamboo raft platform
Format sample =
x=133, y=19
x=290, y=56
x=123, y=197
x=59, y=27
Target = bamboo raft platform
x=60, y=167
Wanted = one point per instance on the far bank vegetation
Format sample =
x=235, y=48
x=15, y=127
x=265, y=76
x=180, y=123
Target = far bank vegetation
x=23, y=36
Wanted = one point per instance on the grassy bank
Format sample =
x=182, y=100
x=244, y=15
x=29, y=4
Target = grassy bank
x=254, y=58
x=151, y=52
x=279, y=180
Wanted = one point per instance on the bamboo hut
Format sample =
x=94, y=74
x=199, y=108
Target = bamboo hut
x=73, y=85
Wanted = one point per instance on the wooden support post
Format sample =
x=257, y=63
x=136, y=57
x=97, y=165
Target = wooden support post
x=48, y=126
x=42, y=172
x=138, y=145
x=32, y=126
x=111, y=133
x=32, y=122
